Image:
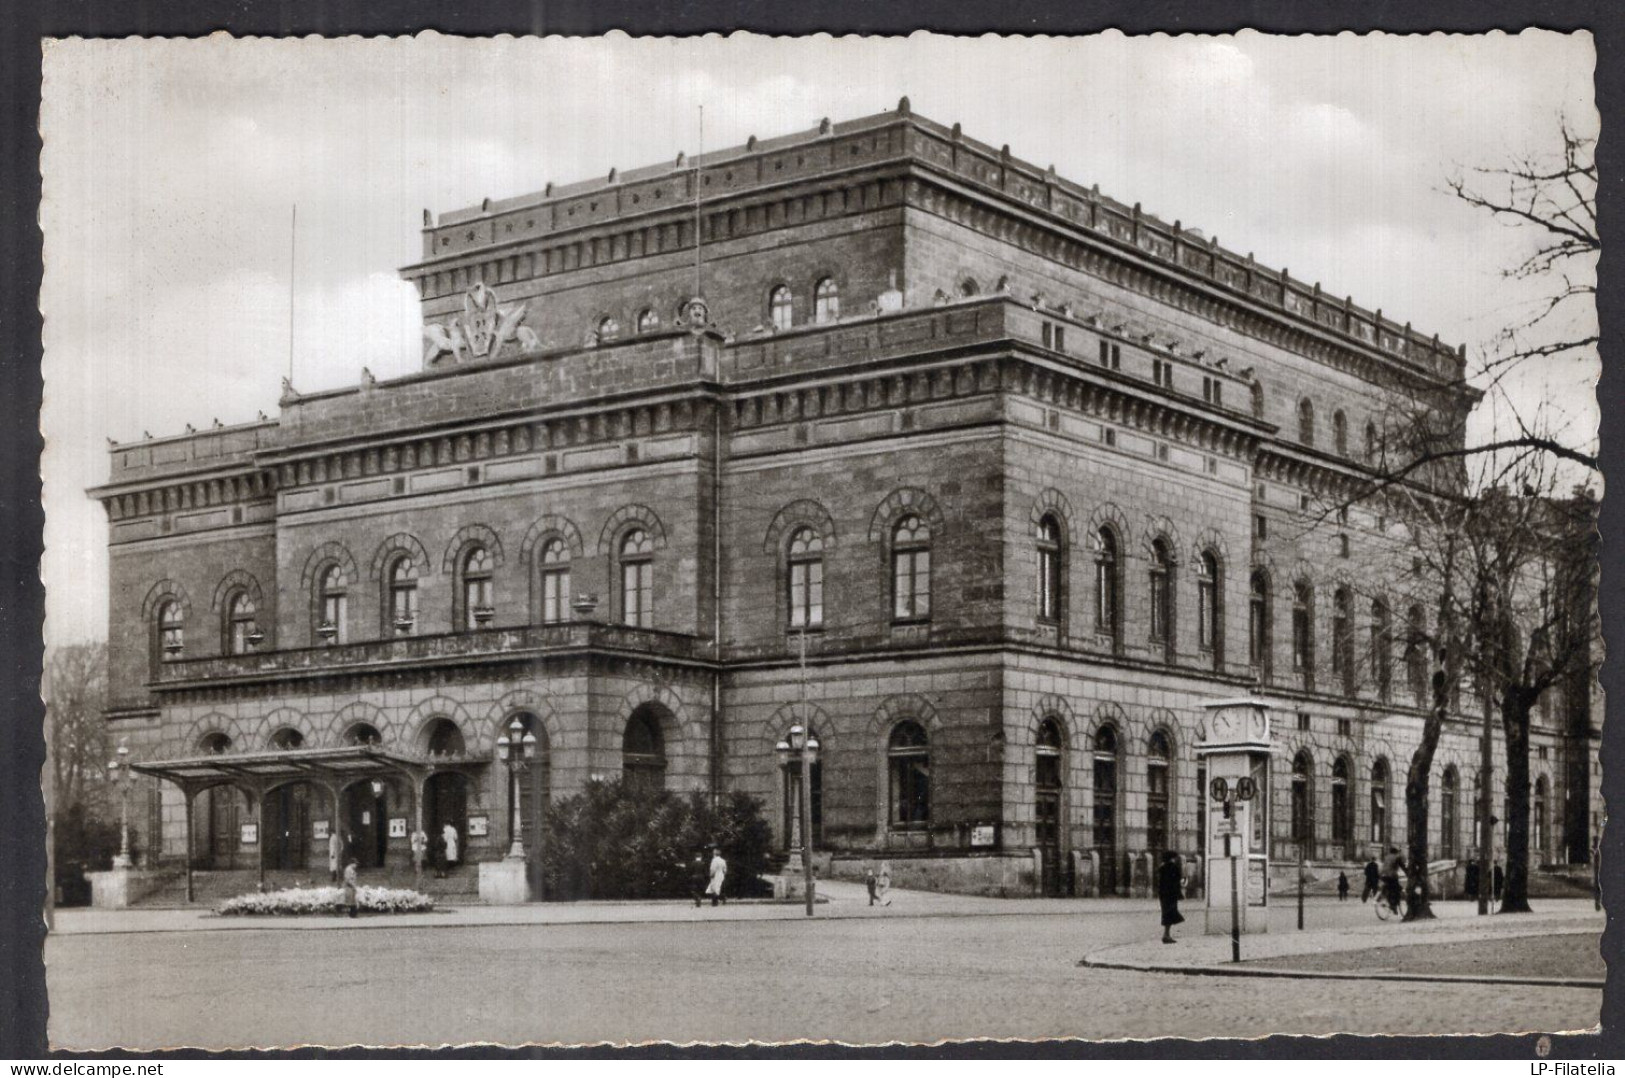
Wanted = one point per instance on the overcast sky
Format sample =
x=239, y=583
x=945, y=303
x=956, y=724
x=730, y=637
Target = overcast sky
x=170, y=168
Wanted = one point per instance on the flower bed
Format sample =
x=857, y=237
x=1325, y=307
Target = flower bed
x=299, y=901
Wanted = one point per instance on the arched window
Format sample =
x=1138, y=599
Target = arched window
x=1371, y=446
x=1379, y=802
x=1209, y=607
x=333, y=606
x=806, y=577
x=1048, y=774
x=555, y=581
x=477, y=604
x=215, y=744
x=1158, y=759
x=1340, y=433
x=170, y=634
x=779, y=307
x=643, y=751
x=240, y=634
x=1258, y=400
x=1108, y=586
x=1447, y=813
x=1306, y=422
x=1105, y=806
x=403, y=595
x=1048, y=548
x=363, y=733
x=287, y=739
x=1538, y=831
x=826, y=301
x=445, y=738
x=1343, y=640
x=1260, y=643
x=1162, y=596
x=1303, y=633
x=648, y=321
x=637, y=579
x=911, y=569
x=1342, y=803
x=1303, y=805
x=609, y=327
x=1382, y=646
x=908, y=757
x=969, y=287
x=1416, y=655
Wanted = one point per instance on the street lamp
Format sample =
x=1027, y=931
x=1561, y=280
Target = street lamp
x=516, y=748
x=802, y=748
x=118, y=773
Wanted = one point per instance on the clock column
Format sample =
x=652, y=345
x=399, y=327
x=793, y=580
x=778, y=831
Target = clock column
x=1235, y=746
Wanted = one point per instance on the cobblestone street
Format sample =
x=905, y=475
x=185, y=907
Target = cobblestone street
x=943, y=970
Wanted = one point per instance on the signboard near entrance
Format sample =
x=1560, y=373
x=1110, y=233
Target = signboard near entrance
x=476, y=825
x=982, y=835
x=397, y=827
x=319, y=829
x=251, y=834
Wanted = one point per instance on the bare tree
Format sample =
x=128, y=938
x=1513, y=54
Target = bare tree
x=75, y=691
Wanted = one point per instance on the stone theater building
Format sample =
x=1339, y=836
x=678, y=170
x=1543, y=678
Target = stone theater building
x=1031, y=475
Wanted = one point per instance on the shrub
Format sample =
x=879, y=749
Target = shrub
x=298, y=901
x=620, y=840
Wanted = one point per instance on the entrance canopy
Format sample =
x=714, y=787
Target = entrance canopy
x=335, y=767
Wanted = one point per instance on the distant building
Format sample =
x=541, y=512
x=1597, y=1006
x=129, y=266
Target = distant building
x=1029, y=471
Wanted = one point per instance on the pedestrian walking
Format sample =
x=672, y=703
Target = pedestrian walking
x=335, y=851
x=883, y=884
x=448, y=835
x=1500, y=880
x=719, y=872
x=1342, y=887
x=350, y=898
x=698, y=877
x=420, y=852
x=1470, y=885
x=1170, y=889
x=1373, y=876
x=871, y=883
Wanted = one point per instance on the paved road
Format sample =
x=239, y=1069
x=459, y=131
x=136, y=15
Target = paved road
x=868, y=979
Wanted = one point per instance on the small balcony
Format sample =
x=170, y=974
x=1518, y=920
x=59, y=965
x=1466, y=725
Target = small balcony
x=479, y=646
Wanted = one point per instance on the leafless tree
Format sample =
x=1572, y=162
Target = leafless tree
x=75, y=691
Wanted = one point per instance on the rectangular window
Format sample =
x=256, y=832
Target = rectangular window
x=1205, y=621
x=1212, y=390
x=911, y=584
x=1060, y=338
x=1261, y=526
x=806, y=594
x=1303, y=720
x=1345, y=727
x=555, y=596
x=1111, y=356
x=637, y=594
x=1159, y=607
x=1108, y=435
x=1049, y=335
x=1162, y=373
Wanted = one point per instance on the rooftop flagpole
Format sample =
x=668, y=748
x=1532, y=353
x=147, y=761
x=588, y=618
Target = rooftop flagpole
x=698, y=288
x=293, y=247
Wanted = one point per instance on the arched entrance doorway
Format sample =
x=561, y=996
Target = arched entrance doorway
x=217, y=819
x=445, y=797
x=286, y=831
x=1048, y=775
x=1105, y=815
x=364, y=809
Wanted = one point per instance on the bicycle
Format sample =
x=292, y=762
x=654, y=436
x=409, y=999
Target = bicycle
x=1385, y=911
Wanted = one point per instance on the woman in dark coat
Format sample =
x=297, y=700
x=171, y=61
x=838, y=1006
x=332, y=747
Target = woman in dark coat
x=1170, y=888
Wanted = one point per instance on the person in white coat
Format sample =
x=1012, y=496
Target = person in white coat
x=335, y=850
x=719, y=872
x=883, y=888
x=448, y=835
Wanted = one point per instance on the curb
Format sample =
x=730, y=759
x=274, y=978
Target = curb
x=1343, y=975
x=1094, y=961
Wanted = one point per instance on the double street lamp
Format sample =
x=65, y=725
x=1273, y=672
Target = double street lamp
x=802, y=748
x=516, y=748
x=120, y=775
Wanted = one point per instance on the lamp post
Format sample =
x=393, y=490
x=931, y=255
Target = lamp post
x=802, y=749
x=516, y=749
x=118, y=772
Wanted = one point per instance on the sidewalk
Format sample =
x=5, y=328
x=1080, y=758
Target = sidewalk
x=1206, y=955
x=838, y=900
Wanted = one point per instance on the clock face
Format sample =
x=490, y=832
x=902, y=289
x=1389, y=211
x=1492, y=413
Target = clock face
x=1226, y=725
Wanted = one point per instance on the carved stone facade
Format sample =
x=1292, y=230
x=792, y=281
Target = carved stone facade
x=1033, y=446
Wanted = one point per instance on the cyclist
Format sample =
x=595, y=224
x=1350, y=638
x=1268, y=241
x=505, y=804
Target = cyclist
x=1392, y=865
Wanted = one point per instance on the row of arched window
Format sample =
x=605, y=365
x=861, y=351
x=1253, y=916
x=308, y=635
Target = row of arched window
x=1340, y=431
x=1346, y=661
x=781, y=312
